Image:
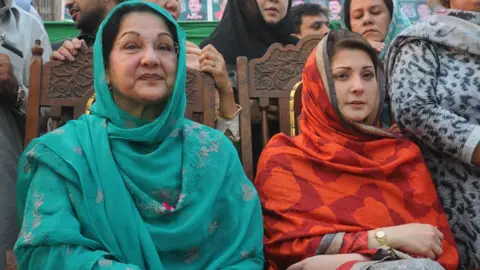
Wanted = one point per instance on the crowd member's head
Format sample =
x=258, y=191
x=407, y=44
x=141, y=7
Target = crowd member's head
x=378, y=21
x=310, y=19
x=249, y=27
x=468, y=5
x=353, y=73
x=140, y=55
x=88, y=14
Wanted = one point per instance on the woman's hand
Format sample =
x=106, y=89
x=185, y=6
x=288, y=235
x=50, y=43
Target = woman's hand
x=69, y=50
x=212, y=61
x=378, y=46
x=416, y=239
x=327, y=262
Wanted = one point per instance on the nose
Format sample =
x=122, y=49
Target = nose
x=358, y=87
x=149, y=57
x=367, y=19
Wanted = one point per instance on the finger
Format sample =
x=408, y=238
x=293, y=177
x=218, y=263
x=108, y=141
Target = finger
x=63, y=51
x=84, y=46
x=194, y=50
x=77, y=43
x=439, y=233
x=209, y=63
x=437, y=250
x=431, y=255
x=70, y=47
x=208, y=69
x=210, y=55
x=56, y=56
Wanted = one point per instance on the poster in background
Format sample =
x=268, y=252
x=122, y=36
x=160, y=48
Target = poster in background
x=212, y=10
x=195, y=10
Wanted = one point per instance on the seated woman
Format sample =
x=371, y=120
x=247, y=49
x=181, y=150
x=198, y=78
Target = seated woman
x=378, y=21
x=433, y=74
x=345, y=193
x=135, y=185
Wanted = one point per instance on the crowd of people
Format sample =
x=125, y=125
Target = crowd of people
x=384, y=173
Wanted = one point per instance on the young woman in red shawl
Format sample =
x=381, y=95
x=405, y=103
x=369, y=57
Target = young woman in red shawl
x=345, y=194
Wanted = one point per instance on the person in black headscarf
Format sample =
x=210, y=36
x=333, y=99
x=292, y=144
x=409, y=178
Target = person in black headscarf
x=249, y=27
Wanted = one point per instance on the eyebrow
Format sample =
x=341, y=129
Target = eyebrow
x=137, y=34
x=364, y=67
x=361, y=9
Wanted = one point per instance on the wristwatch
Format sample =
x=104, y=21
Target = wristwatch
x=381, y=237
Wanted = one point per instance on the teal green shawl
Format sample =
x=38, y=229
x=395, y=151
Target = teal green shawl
x=398, y=23
x=111, y=191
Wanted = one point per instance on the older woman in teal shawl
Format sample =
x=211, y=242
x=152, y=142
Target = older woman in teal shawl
x=135, y=185
x=378, y=21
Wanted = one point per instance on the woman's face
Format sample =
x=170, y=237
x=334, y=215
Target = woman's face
x=143, y=61
x=467, y=5
x=355, y=83
x=370, y=18
x=172, y=6
x=273, y=11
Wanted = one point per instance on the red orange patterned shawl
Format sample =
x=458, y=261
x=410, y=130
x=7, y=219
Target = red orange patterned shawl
x=323, y=190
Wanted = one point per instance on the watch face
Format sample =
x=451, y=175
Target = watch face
x=380, y=234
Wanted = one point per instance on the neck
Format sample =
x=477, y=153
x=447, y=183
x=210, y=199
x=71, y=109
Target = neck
x=146, y=112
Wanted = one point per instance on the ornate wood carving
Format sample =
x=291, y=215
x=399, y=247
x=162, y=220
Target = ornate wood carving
x=72, y=79
x=192, y=86
x=281, y=66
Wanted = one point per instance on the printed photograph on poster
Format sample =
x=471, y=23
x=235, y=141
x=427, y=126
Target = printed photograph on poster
x=194, y=10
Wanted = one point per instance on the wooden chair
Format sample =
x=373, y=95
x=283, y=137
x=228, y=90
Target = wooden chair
x=295, y=108
x=66, y=89
x=269, y=79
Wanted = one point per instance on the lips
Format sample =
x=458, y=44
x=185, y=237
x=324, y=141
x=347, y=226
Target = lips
x=369, y=31
x=272, y=9
x=150, y=77
x=357, y=102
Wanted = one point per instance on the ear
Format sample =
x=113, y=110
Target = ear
x=107, y=76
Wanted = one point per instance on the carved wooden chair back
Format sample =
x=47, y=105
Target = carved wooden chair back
x=67, y=90
x=269, y=80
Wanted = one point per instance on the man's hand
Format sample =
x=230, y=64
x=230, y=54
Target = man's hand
x=69, y=50
x=8, y=83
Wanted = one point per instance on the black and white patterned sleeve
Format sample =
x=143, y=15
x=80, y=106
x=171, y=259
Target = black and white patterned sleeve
x=417, y=110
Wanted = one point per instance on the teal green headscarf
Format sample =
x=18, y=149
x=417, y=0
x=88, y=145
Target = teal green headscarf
x=109, y=191
x=398, y=23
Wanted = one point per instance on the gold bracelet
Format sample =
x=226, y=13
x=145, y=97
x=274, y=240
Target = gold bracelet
x=230, y=117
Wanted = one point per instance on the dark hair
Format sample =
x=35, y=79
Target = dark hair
x=110, y=31
x=343, y=39
x=346, y=8
x=306, y=9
